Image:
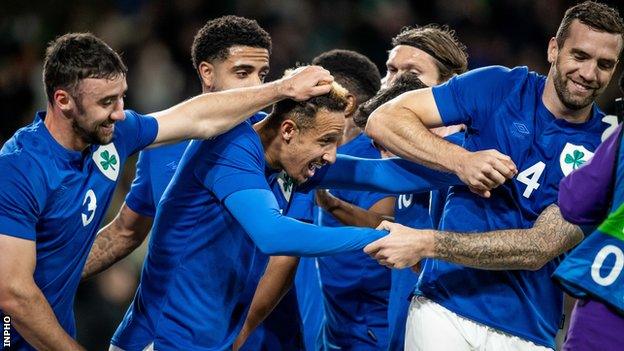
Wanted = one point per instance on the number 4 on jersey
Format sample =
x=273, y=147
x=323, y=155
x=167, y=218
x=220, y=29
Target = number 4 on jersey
x=530, y=177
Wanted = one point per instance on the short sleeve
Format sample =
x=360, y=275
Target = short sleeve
x=137, y=131
x=140, y=198
x=234, y=162
x=471, y=97
x=22, y=196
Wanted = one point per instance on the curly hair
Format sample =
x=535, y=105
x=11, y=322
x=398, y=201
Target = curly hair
x=76, y=56
x=441, y=43
x=214, y=39
x=405, y=82
x=352, y=70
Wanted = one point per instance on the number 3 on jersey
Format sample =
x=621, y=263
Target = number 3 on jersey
x=91, y=201
x=530, y=178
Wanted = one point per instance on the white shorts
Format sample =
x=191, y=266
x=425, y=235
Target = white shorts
x=149, y=347
x=431, y=327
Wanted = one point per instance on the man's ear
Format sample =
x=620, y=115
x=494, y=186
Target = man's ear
x=63, y=100
x=352, y=105
x=288, y=129
x=553, y=50
x=206, y=74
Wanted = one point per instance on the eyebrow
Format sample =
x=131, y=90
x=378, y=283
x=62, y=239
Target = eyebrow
x=249, y=67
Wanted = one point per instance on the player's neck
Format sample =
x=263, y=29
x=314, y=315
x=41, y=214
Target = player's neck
x=551, y=100
x=61, y=130
x=270, y=144
x=351, y=131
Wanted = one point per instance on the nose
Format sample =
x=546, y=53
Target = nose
x=118, y=114
x=330, y=155
x=588, y=71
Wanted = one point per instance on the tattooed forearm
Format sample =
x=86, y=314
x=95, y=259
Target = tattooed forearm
x=116, y=241
x=529, y=249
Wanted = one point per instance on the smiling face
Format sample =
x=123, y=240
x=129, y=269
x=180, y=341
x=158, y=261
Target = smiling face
x=307, y=149
x=405, y=58
x=244, y=66
x=97, y=104
x=583, y=66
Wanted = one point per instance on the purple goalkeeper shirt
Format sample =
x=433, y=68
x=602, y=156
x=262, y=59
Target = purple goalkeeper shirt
x=584, y=198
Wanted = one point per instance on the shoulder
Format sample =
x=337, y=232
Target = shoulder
x=134, y=121
x=24, y=172
x=25, y=152
x=240, y=145
x=498, y=74
x=242, y=135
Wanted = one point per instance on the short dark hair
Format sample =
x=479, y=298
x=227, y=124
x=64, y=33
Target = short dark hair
x=405, y=82
x=214, y=39
x=352, y=70
x=303, y=113
x=441, y=43
x=593, y=14
x=76, y=56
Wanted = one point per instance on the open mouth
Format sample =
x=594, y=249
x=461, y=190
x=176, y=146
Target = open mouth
x=108, y=127
x=313, y=166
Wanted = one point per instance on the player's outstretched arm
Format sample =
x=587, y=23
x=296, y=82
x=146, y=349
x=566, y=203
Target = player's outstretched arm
x=391, y=175
x=350, y=214
x=401, y=126
x=116, y=240
x=508, y=249
x=208, y=115
x=23, y=301
x=273, y=285
x=276, y=234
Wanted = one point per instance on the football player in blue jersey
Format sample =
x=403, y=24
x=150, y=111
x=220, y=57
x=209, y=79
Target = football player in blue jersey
x=228, y=52
x=59, y=174
x=218, y=220
x=493, y=291
x=409, y=63
x=355, y=288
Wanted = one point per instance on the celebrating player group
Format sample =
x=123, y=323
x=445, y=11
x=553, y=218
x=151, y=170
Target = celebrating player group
x=433, y=208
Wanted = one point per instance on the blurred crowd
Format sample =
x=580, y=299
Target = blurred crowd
x=155, y=37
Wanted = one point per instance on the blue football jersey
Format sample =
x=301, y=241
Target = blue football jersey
x=202, y=268
x=154, y=170
x=58, y=197
x=283, y=328
x=420, y=211
x=355, y=287
x=307, y=285
x=503, y=110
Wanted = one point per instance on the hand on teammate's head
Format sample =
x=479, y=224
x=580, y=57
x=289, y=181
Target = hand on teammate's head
x=305, y=82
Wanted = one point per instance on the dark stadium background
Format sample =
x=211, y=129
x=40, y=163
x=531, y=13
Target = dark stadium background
x=154, y=38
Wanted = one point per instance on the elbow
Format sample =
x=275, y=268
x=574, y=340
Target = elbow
x=271, y=249
x=267, y=243
x=376, y=124
x=13, y=297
